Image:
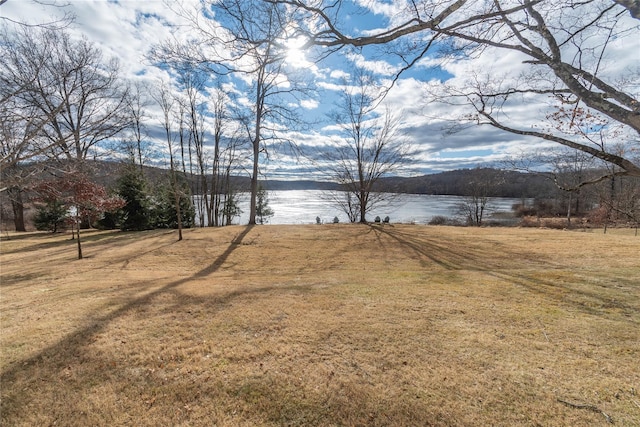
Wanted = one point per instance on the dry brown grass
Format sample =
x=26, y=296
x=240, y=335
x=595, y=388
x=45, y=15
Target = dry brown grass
x=322, y=325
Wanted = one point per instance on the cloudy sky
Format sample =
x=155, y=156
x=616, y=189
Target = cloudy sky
x=127, y=29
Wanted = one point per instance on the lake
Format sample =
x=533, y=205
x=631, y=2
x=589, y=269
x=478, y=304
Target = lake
x=303, y=206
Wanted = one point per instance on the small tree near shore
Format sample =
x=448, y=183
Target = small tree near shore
x=263, y=211
x=474, y=206
x=369, y=146
x=80, y=198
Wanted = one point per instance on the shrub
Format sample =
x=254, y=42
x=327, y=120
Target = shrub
x=51, y=216
x=521, y=210
x=263, y=211
x=439, y=220
x=443, y=220
x=554, y=223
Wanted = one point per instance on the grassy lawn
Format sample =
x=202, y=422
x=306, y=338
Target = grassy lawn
x=322, y=325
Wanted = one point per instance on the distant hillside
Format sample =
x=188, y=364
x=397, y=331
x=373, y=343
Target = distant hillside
x=455, y=183
x=458, y=183
x=300, y=185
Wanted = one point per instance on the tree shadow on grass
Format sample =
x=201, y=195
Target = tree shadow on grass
x=431, y=250
x=90, y=244
x=89, y=237
x=51, y=241
x=73, y=372
x=585, y=299
x=345, y=403
x=577, y=295
x=49, y=361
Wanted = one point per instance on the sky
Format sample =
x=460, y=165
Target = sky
x=126, y=29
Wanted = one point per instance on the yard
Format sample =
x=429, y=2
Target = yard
x=322, y=325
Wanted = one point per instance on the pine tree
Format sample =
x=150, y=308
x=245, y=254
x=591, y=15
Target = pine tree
x=263, y=211
x=51, y=216
x=132, y=187
x=164, y=207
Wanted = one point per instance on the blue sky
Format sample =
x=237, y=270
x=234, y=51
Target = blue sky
x=128, y=28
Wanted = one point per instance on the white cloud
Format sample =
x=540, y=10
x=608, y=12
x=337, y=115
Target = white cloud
x=379, y=67
x=331, y=86
x=309, y=104
x=127, y=29
x=339, y=74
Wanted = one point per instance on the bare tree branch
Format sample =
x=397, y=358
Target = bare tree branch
x=565, y=44
x=633, y=6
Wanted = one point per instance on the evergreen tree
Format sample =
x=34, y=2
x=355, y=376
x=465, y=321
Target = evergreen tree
x=51, y=216
x=164, y=207
x=132, y=187
x=231, y=208
x=263, y=211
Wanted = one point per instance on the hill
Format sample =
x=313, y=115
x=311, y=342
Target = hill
x=455, y=183
x=500, y=183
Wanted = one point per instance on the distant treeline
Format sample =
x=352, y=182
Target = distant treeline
x=455, y=183
x=463, y=182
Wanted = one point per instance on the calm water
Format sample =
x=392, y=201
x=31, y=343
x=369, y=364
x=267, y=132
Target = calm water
x=303, y=206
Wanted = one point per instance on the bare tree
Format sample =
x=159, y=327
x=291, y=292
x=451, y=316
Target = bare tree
x=571, y=169
x=12, y=175
x=620, y=200
x=220, y=123
x=21, y=123
x=20, y=73
x=61, y=98
x=68, y=82
x=371, y=147
x=246, y=39
x=165, y=101
x=58, y=23
x=193, y=84
x=135, y=140
x=19, y=128
x=480, y=188
x=228, y=161
x=564, y=44
x=184, y=135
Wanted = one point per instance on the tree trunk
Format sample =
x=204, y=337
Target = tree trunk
x=215, y=185
x=140, y=158
x=178, y=212
x=205, y=194
x=176, y=193
x=363, y=207
x=227, y=194
x=79, y=244
x=569, y=203
x=254, y=182
x=18, y=208
x=174, y=188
